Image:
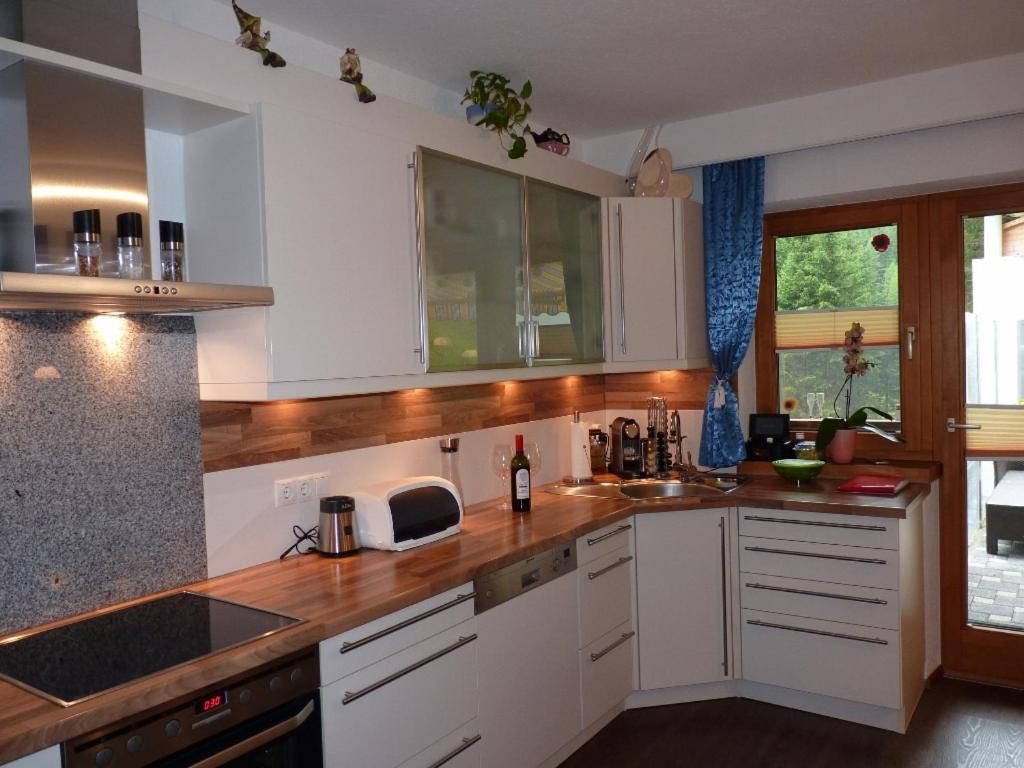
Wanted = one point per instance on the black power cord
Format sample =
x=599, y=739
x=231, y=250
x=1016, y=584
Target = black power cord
x=302, y=535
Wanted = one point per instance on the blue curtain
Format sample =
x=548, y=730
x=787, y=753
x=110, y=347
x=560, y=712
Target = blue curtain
x=733, y=219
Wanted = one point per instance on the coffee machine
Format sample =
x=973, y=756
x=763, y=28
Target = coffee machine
x=626, y=459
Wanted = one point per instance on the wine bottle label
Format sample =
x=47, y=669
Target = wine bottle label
x=522, y=484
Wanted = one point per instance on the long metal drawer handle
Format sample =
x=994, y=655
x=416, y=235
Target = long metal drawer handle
x=349, y=696
x=467, y=742
x=870, y=560
x=346, y=646
x=823, y=633
x=613, y=646
x=833, y=596
x=847, y=526
x=725, y=605
x=620, y=529
x=258, y=740
x=621, y=561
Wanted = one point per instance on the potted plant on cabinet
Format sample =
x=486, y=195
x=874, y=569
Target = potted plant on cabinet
x=838, y=434
x=494, y=104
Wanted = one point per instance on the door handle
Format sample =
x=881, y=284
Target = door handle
x=911, y=338
x=952, y=426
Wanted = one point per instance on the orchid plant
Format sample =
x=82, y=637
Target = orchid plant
x=854, y=365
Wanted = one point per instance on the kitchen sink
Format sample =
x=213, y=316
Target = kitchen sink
x=706, y=485
x=664, y=489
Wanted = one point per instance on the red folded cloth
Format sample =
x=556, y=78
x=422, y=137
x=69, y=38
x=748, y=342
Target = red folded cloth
x=873, y=484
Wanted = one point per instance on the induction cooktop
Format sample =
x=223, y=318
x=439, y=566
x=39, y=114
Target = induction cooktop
x=76, y=661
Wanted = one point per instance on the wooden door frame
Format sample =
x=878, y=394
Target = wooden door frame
x=991, y=655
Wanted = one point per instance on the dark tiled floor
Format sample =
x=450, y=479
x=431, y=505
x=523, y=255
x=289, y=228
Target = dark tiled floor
x=957, y=725
x=994, y=584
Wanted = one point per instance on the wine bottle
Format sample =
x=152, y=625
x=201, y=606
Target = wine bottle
x=520, y=467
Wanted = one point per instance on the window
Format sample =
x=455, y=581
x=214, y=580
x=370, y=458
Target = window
x=824, y=270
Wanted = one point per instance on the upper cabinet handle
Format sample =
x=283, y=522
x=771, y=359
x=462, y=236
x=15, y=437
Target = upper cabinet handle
x=421, y=350
x=622, y=284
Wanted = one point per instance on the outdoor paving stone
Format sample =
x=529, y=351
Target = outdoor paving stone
x=983, y=601
x=1000, y=618
x=983, y=592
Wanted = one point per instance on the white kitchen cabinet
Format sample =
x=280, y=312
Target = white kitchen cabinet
x=529, y=676
x=606, y=585
x=683, y=606
x=48, y=758
x=656, y=281
x=402, y=690
x=832, y=612
x=337, y=247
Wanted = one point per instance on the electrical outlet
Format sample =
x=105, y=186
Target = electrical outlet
x=285, y=493
x=306, y=487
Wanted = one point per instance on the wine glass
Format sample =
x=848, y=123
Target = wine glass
x=501, y=458
x=819, y=400
x=532, y=451
x=811, y=402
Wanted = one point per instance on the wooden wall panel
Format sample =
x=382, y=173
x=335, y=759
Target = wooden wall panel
x=684, y=390
x=244, y=434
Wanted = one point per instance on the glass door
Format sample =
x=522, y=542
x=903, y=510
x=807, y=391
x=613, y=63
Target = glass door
x=565, y=293
x=982, y=433
x=472, y=229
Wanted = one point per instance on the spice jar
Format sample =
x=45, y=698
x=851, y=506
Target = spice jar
x=87, y=247
x=172, y=251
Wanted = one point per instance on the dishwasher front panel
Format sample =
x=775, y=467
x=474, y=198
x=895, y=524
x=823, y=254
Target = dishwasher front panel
x=529, y=675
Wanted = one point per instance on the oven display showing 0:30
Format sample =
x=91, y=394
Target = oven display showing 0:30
x=211, y=702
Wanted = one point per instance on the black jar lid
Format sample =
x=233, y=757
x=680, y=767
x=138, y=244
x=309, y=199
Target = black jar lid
x=129, y=224
x=337, y=504
x=172, y=232
x=87, y=221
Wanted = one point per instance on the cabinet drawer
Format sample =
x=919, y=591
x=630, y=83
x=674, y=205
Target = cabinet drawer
x=820, y=562
x=849, y=530
x=388, y=712
x=867, y=606
x=460, y=749
x=602, y=541
x=855, y=663
x=606, y=672
x=357, y=648
x=605, y=586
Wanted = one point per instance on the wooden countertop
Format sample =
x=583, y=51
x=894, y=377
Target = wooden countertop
x=333, y=595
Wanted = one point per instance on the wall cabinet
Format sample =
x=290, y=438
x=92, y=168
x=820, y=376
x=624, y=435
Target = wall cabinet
x=656, y=281
x=511, y=269
x=683, y=573
x=336, y=215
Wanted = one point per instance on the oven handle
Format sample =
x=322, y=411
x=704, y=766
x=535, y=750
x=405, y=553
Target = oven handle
x=257, y=741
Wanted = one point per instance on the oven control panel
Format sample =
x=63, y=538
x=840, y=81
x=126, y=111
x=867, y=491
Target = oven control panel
x=157, y=734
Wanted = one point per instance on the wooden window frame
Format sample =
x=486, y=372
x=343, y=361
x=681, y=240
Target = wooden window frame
x=910, y=216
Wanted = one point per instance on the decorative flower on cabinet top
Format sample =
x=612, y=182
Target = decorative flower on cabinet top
x=253, y=39
x=352, y=73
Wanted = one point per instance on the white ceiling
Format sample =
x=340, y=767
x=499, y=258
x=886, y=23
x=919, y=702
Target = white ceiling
x=603, y=66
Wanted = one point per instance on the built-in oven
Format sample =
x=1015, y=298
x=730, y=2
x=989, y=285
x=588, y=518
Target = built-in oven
x=270, y=719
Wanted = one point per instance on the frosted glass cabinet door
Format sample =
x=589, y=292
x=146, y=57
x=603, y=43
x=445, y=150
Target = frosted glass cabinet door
x=472, y=230
x=566, y=304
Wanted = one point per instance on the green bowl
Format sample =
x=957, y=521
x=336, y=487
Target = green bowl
x=798, y=469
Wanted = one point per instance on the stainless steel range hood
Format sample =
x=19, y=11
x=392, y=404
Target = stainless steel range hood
x=67, y=293
x=72, y=142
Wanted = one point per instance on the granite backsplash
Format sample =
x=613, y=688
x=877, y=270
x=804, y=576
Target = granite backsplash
x=102, y=486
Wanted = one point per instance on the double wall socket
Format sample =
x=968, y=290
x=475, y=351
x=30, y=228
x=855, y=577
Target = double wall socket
x=295, y=490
